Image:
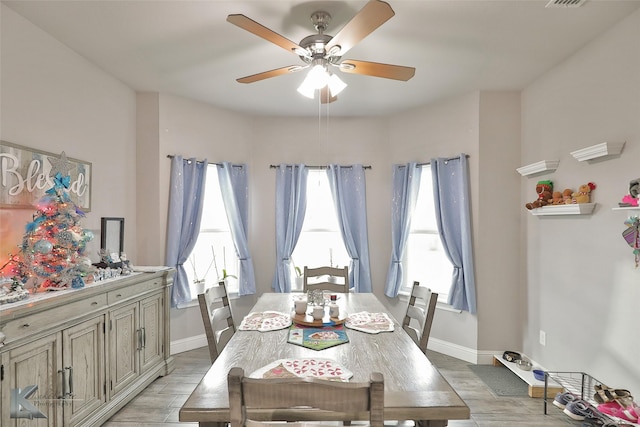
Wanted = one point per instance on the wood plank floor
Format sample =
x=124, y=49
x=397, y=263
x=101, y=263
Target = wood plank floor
x=158, y=404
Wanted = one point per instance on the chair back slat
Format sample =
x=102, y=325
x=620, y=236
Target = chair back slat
x=278, y=399
x=317, y=278
x=420, y=312
x=217, y=318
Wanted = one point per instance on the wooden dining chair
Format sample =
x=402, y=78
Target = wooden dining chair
x=256, y=402
x=421, y=308
x=318, y=278
x=217, y=318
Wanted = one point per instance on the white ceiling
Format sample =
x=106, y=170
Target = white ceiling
x=187, y=48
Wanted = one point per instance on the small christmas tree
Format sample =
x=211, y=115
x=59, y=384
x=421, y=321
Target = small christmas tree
x=52, y=252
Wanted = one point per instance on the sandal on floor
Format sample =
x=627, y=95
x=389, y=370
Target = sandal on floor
x=605, y=394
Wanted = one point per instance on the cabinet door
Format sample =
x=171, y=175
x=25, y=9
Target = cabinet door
x=34, y=364
x=83, y=364
x=151, y=328
x=124, y=344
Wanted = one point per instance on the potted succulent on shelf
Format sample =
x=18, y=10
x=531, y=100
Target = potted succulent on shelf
x=298, y=277
x=225, y=276
x=197, y=281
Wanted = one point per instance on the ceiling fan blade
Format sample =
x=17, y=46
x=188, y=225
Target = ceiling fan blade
x=272, y=73
x=260, y=30
x=370, y=17
x=325, y=96
x=376, y=69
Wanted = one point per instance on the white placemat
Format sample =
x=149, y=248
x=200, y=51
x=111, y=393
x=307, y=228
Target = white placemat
x=265, y=321
x=305, y=367
x=371, y=323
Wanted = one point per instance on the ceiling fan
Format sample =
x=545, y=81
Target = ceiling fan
x=321, y=51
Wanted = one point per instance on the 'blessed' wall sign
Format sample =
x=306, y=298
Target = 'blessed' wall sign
x=26, y=174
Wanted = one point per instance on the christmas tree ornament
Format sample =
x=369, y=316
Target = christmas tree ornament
x=43, y=246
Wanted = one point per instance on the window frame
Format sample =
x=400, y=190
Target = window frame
x=407, y=285
x=232, y=291
x=339, y=252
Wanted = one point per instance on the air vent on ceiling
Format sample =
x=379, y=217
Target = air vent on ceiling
x=565, y=3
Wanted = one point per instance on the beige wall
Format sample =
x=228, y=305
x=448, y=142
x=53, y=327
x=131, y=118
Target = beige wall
x=582, y=285
x=54, y=100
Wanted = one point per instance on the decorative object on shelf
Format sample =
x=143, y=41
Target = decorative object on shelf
x=632, y=236
x=52, y=252
x=199, y=281
x=566, y=196
x=598, y=151
x=572, y=209
x=112, y=234
x=539, y=168
x=583, y=195
x=545, y=191
x=11, y=291
x=631, y=199
x=224, y=277
x=556, y=198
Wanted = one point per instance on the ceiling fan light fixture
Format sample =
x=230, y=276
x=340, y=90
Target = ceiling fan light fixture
x=336, y=85
x=306, y=90
x=318, y=77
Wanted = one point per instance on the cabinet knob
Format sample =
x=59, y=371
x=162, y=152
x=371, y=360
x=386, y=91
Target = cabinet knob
x=26, y=325
x=94, y=303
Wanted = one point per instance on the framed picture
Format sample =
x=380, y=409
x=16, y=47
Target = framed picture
x=112, y=235
x=26, y=174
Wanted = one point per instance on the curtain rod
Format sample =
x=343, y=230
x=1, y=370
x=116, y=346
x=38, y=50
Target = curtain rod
x=446, y=160
x=171, y=156
x=318, y=167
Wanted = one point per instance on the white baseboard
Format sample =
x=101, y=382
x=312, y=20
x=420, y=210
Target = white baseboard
x=459, y=352
x=190, y=343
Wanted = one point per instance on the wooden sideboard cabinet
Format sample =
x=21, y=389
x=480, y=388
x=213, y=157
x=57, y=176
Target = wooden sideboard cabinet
x=88, y=351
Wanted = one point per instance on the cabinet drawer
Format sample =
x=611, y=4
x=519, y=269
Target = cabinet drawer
x=133, y=291
x=33, y=323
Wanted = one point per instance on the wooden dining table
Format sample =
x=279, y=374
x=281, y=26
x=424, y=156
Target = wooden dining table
x=413, y=387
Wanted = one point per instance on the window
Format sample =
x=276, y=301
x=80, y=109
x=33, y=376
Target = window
x=425, y=259
x=214, y=251
x=320, y=242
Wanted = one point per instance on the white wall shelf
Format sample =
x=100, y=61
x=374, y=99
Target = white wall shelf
x=598, y=151
x=538, y=167
x=572, y=209
x=626, y=208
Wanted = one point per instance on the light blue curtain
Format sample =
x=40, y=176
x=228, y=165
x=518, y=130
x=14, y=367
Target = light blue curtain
x=186, y=195
x=234, y=189
x=453, y=214
x=406, y=183
x=291, y=205
x=349, y=196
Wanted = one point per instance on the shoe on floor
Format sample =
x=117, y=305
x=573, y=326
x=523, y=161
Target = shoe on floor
x=614, y=409
x=562, y=399
x=590, y=421
x=580, y=409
